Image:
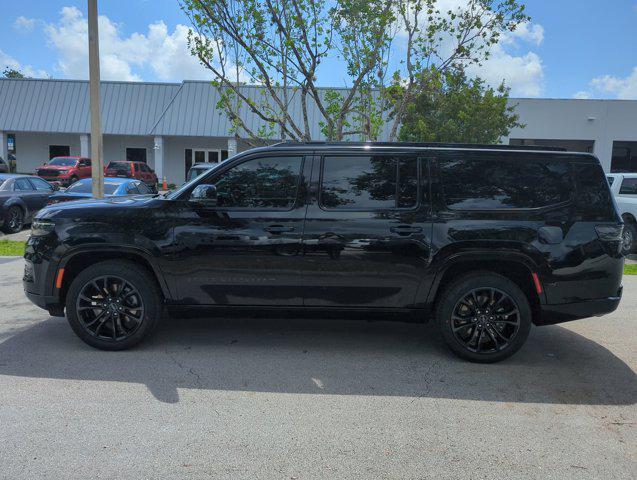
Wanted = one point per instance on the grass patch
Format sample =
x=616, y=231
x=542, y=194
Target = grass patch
x=11, y=248
x=630, y=269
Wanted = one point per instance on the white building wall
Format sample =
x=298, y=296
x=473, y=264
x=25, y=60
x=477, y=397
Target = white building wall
x=602, y=121
x=32, y=149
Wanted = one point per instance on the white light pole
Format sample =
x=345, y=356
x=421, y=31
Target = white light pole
x=97, y=162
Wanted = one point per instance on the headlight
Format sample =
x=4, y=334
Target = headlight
x=40, y=228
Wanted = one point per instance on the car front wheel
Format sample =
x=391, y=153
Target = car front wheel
x=113, y=305
x=484, y=317
x=13, y=220
x=629, y=238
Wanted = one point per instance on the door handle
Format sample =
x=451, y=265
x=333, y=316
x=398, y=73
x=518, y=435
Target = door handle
x=405, y=229
x=276, y=229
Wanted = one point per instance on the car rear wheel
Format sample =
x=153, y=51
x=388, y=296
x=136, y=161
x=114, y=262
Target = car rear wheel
x=629, y=238
x=13, y=220
x=113, y=305
x=484, y=317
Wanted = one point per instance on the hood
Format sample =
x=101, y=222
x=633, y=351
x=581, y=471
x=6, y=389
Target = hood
x=53, y=167
x=87, y=207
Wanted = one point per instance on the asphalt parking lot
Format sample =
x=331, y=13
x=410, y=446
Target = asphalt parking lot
x=299, y=399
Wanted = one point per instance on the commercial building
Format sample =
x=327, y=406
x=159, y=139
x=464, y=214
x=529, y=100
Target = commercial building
x=173, y=125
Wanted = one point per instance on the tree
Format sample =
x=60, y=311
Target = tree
x=450, y=107
x=280, y=45
x=12, y=73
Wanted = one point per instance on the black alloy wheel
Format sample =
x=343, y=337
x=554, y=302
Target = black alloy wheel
x=14, y=220
x=110, y=307
x=485, y=320
x=113, y=305
x=484, y=317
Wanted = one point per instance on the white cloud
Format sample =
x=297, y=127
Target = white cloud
x=123, y=57
x=522, y=71
x=624, y=88
x=582, y=95
x=7, y=61
x=24, y=24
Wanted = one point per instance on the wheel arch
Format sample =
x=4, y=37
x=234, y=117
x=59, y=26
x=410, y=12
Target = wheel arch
x=516, y=267
x=78, y=260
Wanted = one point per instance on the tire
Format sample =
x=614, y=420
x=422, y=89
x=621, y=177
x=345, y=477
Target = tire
x=629, y=238
x=499, y=332
x=141, y=310
x=13, y=220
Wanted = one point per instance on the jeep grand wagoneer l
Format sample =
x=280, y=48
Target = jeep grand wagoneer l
x=483, y=240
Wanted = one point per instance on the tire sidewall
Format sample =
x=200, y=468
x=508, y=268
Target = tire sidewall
x=459, y=289
x=137, y=277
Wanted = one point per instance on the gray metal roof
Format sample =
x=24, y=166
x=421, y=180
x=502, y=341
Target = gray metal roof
x=133, y=108
x=62, y=106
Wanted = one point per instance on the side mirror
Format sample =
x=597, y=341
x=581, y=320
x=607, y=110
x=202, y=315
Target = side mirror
x=204, y=195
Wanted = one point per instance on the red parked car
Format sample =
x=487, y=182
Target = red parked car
x=65, y=170
x=137, y=170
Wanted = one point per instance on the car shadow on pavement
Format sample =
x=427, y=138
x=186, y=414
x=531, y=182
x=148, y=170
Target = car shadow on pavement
x=333, y=357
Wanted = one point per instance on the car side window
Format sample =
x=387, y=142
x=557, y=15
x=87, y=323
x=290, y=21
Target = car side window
x=132, y=188
x=265, y=182
x=629, y=187
x=378, y=182
x=144, y=168
x=493, y=182
x=143, y=188
x=40, y=184
x=22, y=184
x=85, y=162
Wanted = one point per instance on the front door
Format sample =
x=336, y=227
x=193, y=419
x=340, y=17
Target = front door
x=247, y=249
x=367, y=234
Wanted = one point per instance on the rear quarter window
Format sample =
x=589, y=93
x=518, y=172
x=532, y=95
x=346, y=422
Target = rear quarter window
x=593, y=201
x=629, y=186
x=496, y=181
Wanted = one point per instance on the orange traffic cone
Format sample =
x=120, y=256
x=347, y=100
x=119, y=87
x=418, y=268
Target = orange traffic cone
x=164, y=184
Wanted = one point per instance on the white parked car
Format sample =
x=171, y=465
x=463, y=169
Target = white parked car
x=624, y=188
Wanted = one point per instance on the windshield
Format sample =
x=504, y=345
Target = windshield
x=191, y=181
x=2, y=181
x=87, y=187
x=119, y=166
x=63, y=161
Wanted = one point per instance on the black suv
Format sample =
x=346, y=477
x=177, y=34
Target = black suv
x=485, y=240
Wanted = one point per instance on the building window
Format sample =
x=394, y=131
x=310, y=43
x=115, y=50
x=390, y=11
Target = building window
x=624, y=157
x=570, y=145
x=59, y=151
x=136, y=154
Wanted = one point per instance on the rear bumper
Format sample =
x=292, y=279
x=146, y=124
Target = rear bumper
x=565, y=312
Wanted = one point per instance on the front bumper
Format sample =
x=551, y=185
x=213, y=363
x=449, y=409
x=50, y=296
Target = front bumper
x=566, y=312
x=38, y=280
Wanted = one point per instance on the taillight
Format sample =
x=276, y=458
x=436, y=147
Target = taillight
x=611, y=237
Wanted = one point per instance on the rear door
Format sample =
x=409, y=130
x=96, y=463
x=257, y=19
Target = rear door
x=27, y=193
x=367, y=233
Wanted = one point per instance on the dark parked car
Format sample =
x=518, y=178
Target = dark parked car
x=485, y=241
x=199, y=168
x=20, y=197
x=4, y=165
x=138, y=170
x=113, y=187
x=65, y=170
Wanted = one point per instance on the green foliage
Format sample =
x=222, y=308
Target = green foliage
x=279, y=45
x=12, y=73
x=630, y=269
x=449, y=107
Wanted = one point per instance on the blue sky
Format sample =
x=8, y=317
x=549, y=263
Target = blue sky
x=572, y=48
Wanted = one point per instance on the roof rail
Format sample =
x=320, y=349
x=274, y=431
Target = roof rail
x=476, y=146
